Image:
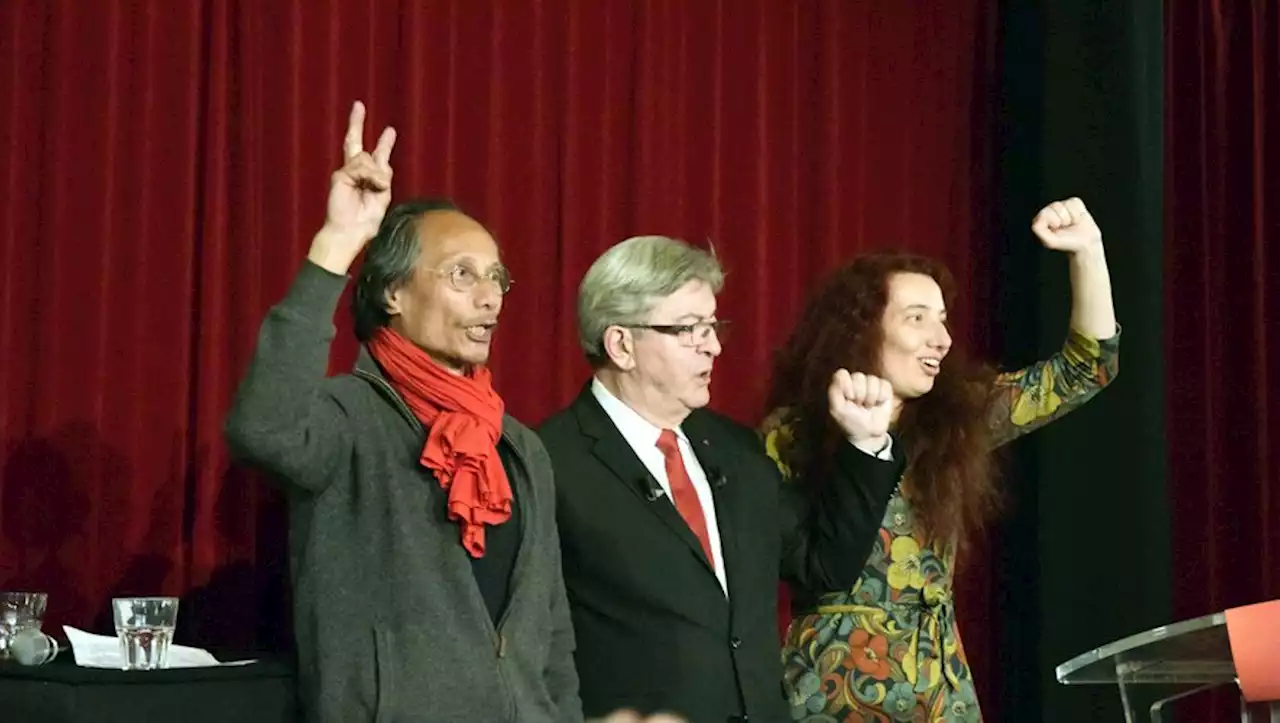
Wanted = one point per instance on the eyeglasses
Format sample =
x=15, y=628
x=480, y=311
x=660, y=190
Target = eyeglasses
x=464, y=278
x=689, y=334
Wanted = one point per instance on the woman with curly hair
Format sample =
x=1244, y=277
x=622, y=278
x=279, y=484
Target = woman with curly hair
x=888, y=649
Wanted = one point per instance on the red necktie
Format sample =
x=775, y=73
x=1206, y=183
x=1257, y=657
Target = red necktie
x=682, y=492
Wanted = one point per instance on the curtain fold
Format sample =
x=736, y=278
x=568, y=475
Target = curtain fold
x=1223, y=282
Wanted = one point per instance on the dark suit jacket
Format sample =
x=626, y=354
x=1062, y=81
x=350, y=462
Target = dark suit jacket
x=654, y=629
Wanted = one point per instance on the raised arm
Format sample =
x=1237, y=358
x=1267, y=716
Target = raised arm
x=282, y=420
x=1067, y=226
x=1032, y=397
x=829, y=526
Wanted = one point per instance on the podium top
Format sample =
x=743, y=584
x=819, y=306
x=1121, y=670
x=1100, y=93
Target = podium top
x=1191, y=651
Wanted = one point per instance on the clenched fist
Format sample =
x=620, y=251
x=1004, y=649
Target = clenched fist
x=1067, y=226
x=862, y=404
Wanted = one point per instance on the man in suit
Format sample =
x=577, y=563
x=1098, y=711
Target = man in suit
x=674, y=523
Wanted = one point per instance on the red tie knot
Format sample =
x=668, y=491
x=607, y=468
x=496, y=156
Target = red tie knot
x=667, y=442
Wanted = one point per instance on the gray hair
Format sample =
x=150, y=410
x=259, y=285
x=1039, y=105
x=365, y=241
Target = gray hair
x=629, y=279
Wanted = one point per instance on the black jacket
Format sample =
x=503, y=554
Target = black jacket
x=654, y=629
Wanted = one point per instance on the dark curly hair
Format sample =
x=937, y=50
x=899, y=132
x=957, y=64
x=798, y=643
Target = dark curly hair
x=950, y=476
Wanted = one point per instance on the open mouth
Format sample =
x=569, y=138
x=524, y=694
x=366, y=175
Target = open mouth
x=931, y=365
x=481, y=333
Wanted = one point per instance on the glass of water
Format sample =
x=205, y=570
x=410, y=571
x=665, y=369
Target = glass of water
x=19, y=610
x=144, y=627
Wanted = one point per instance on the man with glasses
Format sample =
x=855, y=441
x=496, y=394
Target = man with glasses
x=424, y=557
x=674, y=523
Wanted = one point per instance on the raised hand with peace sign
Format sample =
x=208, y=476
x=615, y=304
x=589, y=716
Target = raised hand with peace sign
x=359, y=194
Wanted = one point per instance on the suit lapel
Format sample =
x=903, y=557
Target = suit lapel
x=611, y=448
x=716, y=460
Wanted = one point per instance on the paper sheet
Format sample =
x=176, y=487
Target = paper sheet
x=102, y=651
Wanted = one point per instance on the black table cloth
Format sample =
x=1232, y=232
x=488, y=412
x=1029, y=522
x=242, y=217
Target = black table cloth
x=62, y=692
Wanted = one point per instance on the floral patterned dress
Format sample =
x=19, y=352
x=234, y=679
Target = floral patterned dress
x=888, y=650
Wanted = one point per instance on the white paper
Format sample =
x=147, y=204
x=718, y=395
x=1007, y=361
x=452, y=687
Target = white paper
x=102, y=651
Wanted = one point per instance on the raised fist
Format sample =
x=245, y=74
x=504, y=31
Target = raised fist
x=862, y=404
x=1067, y=226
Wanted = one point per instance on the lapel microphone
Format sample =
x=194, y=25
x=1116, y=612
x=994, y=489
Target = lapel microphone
x=653, y=490
x=716, y=478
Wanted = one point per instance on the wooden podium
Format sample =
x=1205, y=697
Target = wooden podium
x=1239, y=647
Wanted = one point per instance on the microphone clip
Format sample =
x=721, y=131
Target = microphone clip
x=653, y=490
x=716, y=478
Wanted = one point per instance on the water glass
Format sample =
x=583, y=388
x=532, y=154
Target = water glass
x=144, y=627
x=19, y=611
x=31, y=646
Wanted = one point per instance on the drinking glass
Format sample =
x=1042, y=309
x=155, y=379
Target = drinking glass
x=144, y=627
x=18, y=611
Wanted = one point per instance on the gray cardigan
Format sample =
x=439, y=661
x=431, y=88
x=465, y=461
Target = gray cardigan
x=389, y=621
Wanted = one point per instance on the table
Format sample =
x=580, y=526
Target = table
x=62, y=692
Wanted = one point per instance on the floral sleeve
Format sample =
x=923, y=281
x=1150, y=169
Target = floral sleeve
x=1028, y=399
x=776, y=434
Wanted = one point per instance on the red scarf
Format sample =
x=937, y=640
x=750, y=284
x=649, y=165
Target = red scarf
x=463, y=417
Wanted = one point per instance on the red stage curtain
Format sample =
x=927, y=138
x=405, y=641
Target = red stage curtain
x=165, y=164
x=1222, y=282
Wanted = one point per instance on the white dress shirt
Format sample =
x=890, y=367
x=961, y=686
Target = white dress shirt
x=642, y=435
